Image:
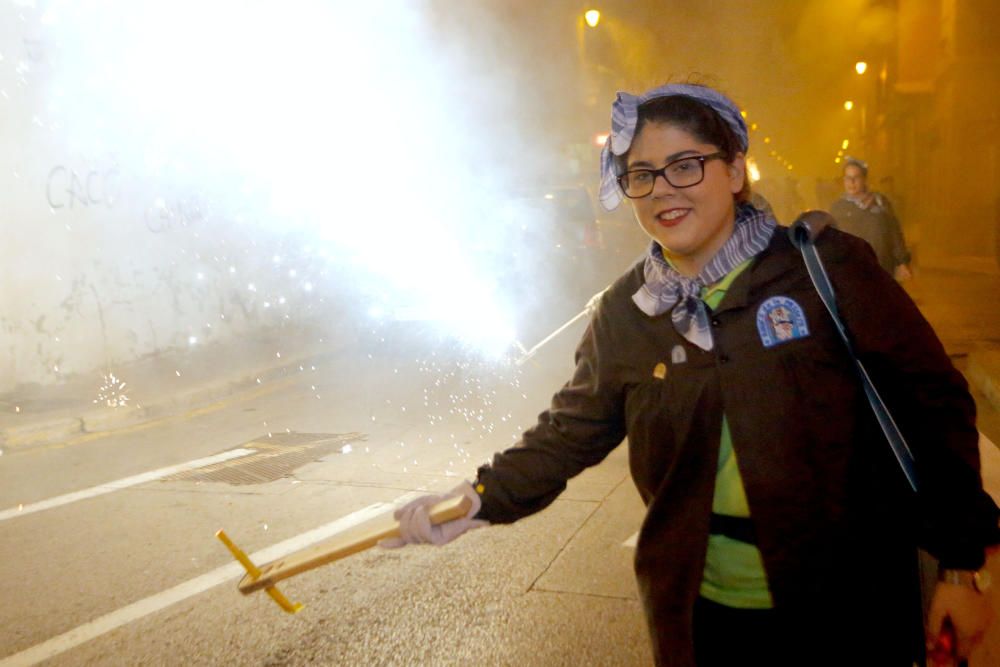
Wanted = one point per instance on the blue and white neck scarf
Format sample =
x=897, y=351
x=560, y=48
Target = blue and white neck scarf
x=625, y=116
x=666, y=289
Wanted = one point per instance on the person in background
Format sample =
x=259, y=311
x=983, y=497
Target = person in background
x=779, y=528
x=869, y=215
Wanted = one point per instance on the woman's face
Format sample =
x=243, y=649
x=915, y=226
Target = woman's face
x=854, y=180
x=692, y=223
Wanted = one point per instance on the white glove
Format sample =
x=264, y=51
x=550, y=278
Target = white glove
x=415, y=523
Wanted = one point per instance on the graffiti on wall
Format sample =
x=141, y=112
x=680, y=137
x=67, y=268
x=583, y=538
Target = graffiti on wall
x=67, y=188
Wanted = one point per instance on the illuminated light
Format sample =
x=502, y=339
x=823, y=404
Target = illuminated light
x=840, y=153
x=789, y=167
x=767, y=140
x=549, y=195
x=162, y=106
x=743, y=113
x=844, y=144
x=860, y=67
x=192, y=340
x=773, y=153
x=836, y=160
x=592, y=17
x=849, y=105
x=600, y=138
x=753, y=170
x=753, y=126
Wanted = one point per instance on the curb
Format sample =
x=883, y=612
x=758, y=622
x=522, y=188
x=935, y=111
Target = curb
x=106, y=421
x=983, y=371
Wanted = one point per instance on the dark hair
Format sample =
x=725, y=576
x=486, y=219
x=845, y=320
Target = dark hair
x=857, y=162
x=694, y=117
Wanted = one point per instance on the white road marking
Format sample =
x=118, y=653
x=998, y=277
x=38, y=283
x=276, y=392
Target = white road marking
x=154, y=603
x=123, y=483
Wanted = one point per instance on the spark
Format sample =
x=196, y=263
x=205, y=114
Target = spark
x=112, y=392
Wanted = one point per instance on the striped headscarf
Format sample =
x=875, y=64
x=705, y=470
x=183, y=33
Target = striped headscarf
x=625, y=116
x=666, y=289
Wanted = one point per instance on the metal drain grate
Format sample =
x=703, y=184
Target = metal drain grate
x=277, y=456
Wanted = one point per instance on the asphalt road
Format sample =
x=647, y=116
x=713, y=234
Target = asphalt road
x=132, y=573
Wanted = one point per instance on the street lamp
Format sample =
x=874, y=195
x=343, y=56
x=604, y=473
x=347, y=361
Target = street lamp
x=860, y=67
x=593, y=17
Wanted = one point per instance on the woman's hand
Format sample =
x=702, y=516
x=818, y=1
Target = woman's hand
x=415, y=525
x=969, y=613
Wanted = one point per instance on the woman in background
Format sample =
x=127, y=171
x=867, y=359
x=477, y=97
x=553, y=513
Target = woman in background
x=869, y=215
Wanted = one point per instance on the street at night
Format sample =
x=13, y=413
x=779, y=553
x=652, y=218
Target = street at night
x=302, y=272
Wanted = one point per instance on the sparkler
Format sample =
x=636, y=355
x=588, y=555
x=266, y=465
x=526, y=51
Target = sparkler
x=587, y=310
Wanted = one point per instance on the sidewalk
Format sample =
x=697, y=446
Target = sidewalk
x=156, y=386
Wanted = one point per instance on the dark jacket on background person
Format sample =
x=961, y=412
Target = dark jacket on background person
x=875, y=223
x=835, y=520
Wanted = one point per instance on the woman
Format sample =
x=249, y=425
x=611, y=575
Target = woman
x=869, y=215
x=779, y=529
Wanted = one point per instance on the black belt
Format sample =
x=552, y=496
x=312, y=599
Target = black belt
x=734, y=527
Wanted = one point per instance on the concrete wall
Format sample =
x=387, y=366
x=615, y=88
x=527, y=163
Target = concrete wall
x=100, y=263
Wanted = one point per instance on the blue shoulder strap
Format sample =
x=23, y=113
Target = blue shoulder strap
x=803, y=234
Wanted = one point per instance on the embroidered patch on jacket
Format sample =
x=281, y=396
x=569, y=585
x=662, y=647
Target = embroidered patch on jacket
x=678, y=355
x=660, y=371
x=779, y=320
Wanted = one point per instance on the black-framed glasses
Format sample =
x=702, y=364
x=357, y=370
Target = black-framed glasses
x=682, y=173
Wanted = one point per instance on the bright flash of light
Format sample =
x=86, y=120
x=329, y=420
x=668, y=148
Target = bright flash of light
x=302, y=116
x=861, y=67
x=848, y=105
x=844, y=144
x=593, y=17
x=753, y=170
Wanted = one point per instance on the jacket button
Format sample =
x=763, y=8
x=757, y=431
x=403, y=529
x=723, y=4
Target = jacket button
x=716, y=322
x=723, y=358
